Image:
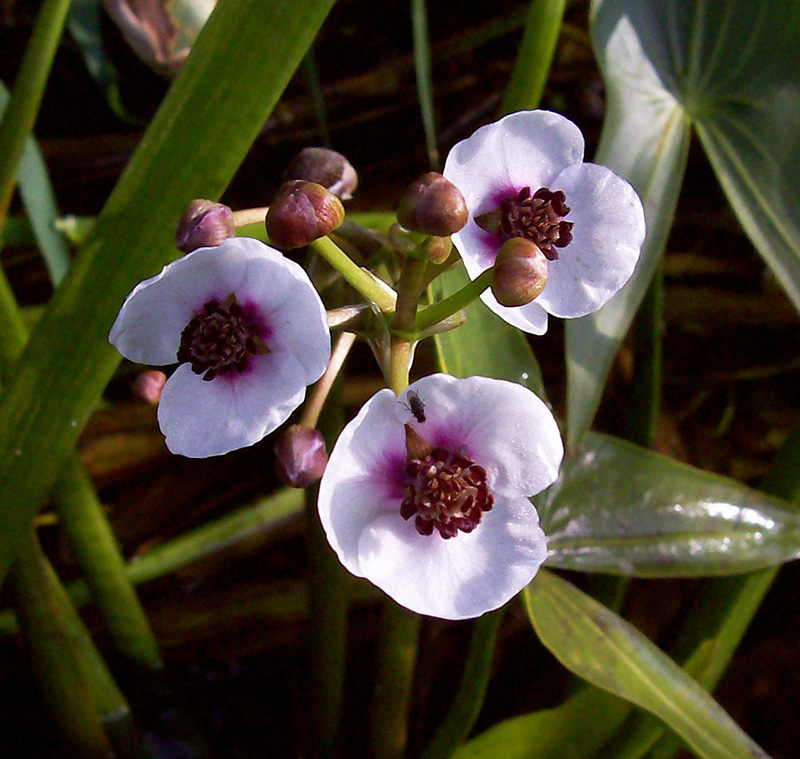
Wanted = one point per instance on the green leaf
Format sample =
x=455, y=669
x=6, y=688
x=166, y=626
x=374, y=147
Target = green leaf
x=645, y=139
x=733, y=71
x=484, y=345
x=551, y=733
x=621, y=509
x=194, y=145
x=40, y=204
x=604, y=649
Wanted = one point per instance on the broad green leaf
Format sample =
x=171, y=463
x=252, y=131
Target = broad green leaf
x=733, y=71
x=194, y=145
x=604, y=649
x=40, y=204
x=552, y=733
x=645, y=139
x=484, y=345
x=621, y=509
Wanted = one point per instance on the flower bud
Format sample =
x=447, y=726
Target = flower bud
x=148, y=385
x=433, y=206
x=326, y=167
x=520, y=272
x=204, y=224
x=300, y=456
x=301, y=213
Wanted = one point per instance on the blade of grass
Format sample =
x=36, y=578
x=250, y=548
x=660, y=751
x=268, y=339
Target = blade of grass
x=422, y=68
x=192, y=149
x=21, y=112
x=532, y=64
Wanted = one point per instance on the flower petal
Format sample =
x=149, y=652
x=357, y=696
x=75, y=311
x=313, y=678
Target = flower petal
x=459, y=578
x=608, y=233
x=527, y=148
x=200, y=418
x=149, y=325
x=363, y=478
x=500, y=425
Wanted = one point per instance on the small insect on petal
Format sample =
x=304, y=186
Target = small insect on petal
x=415, y=406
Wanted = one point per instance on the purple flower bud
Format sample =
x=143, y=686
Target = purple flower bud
x=204, y=224
x=326, y=167
x=300, y=456
x=520, y=272
x=148, y=385
x=301, y=213
x=433, y=206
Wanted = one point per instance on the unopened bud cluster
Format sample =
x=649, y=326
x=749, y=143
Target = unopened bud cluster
x=325, y=167
x=301, y=213
x=204, y=224
x=432, y=206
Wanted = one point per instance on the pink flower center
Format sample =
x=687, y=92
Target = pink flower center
x=445, y=491
x=220, y=338
x=538, y=218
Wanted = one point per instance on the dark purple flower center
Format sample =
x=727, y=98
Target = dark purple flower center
x=538, y=218
x=220, y=338
x=445, y=491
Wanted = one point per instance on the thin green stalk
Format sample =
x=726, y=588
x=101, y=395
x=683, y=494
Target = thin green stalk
x=86, y=527
x=535, y=54
x=645, y=401
x=422, y=68
x=328, y=587
x=467, y=703
x=328, y=583
x=95, y=547
x=19, y=116
x=362, y=280
x=399, y=629
x=61, y=675
x=438, y=312
x=267, y=514
x=395, y=660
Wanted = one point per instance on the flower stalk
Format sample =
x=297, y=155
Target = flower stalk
x=369, y=286
x=438, y=312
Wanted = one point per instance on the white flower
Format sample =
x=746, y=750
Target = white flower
x=249, y=332
x=437, y=512
x=592, y=234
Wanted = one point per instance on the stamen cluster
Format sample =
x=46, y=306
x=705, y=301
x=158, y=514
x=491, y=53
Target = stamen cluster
x=446, y=491
x=538, y=218
x=219, y=339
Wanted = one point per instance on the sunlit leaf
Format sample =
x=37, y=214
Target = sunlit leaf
x=733, y=71
x=192, y=148
x=621, y=509
x=40, y=204
x=551, y=733
x=604, y=649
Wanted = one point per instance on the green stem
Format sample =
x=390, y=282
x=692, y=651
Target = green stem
x=60, y=672
x=371, y=288
x=328, y=586
x=86, y=526
x=438, y=312
x=20, y=114
x=266, y=515
x=467, y=704
x=395, y=661
x=535, y=54
x=92, y=541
